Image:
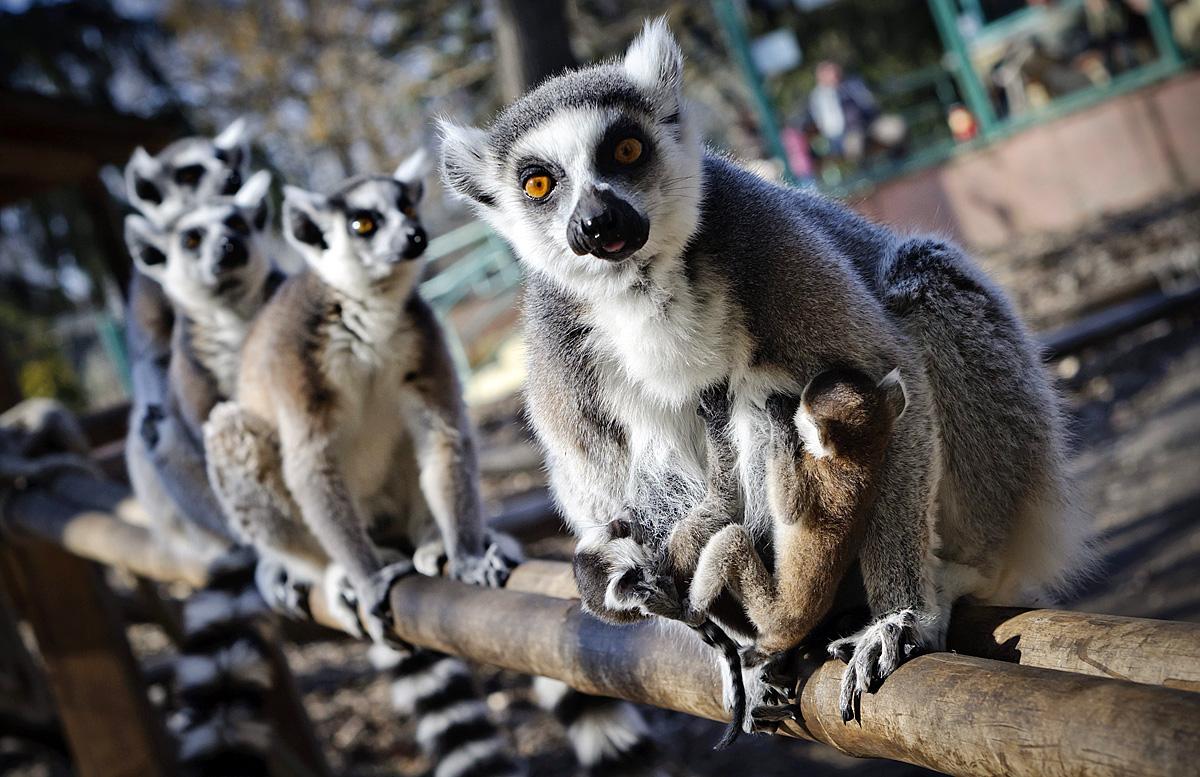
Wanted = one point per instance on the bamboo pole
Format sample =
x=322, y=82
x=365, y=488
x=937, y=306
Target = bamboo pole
x=958, y=714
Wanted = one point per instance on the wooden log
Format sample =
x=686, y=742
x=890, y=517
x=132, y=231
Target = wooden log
x=100, y=695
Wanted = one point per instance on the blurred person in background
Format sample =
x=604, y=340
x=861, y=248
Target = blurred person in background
x=846, y=115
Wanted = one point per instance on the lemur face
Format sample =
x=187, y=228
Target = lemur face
x=592, y=173
x=366, y=232
x=211, y=253
x=188, y=171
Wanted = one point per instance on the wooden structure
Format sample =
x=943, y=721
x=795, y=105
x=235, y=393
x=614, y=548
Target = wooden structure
x=1025, y=692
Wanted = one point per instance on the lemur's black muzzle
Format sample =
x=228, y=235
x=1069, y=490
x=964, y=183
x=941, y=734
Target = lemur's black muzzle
x=606, y=226
x=233, y=255
x=417, y=242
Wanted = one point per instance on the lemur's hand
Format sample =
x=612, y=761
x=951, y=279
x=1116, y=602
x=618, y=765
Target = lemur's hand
x=875, y=652
x=366, y=610
x=283, y=591
x=492, y=569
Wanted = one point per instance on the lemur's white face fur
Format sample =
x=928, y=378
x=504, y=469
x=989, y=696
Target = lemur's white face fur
x=211, y=255
x=364, y=237
x=594, y=176
x=188, y=171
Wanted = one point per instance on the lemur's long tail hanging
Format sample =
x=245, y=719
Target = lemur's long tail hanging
x=715, y=636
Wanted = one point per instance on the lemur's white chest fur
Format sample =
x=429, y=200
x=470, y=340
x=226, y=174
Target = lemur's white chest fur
x=216, y=336
x=368, y=353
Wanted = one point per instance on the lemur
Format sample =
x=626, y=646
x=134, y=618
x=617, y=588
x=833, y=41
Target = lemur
x=348, y=429
x=824, y=455
x=163, y=186
x=657, y=270
x=207, y=263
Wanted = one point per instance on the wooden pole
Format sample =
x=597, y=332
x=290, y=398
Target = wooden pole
x=100, y=695
x=958, y=714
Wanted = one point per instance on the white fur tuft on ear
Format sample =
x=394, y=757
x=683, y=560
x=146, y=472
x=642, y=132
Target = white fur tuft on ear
x=897, y=393
x=236, y=134
x=146, y=244
x=465, y=161
x=413, y=169
x=253, y=191
x=655, y=62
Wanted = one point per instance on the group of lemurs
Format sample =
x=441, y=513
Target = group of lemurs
x=741, y=390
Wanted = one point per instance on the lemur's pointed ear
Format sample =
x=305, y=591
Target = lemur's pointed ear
x=465, y=162
x=141, y=186
x=147, y=246
x=894, y=392
x=254, y=198
x=233, y=143
x=412, y=172
x=306, y=219
x=655, y=62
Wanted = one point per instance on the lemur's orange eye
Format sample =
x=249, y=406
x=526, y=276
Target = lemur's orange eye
x=192, y=238
x=628, y=151
x=409, y=211
x=538, y=185
x=363, y=225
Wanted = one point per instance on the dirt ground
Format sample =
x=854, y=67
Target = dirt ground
x=1135, y=421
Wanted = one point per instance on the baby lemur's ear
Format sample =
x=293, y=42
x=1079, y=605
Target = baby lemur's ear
x=465, y=162
x=894, y=392
x=307, y=218
x=411, y=173
x=147, y=246
x=254, y=199
x=655, y=63
x=141, y=180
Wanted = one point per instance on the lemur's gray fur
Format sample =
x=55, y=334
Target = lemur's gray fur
x=164, y=186
x=210, y=266
x=349, y=421
x=654, y=278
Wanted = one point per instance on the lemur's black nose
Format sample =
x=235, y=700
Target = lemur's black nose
x=233, y=255
x=417, y=241
x=606, y=226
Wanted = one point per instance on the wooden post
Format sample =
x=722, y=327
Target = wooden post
x=100, y=695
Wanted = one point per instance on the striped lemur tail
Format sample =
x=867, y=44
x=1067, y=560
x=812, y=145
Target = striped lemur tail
x=609, y=736
x=453, y=726
x=222, y=680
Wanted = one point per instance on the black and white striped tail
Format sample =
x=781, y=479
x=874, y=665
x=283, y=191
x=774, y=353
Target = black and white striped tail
x=222, y=679
x=453, y=726
x=609, y=736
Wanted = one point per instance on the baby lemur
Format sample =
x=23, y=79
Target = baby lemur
x=348, y=425
x=825, y=452
x=657, y=270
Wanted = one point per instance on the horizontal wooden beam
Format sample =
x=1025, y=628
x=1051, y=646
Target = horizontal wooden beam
x=959, y=714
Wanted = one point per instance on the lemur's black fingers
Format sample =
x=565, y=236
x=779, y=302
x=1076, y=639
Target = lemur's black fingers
x=768, y=718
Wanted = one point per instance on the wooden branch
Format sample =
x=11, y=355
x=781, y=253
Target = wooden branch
x=959, y=714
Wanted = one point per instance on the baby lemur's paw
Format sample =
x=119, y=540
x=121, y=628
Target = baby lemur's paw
x=430, y=558
x=653, y=594
x=282, y=590
x=875, y=652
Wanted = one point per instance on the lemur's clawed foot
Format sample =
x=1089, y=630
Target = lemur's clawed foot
x=653, y=594
x=380, y=621
x=874, y=653
x=342, y=600
x=282, y=591
x=775, y=674
x=492, y=569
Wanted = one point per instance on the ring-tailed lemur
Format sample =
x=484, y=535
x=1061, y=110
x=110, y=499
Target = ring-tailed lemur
x=349, y=429
x=657, y=270
x=209, y=267
x=191, y=170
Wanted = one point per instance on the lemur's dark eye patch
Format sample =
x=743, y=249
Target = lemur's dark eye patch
x=190, y=175
x=364, y=223
x=147, y=191
x=152, y=256
x=192, y=238
x=233, y=182
x=624, y=147
x=238, y=224
x=407, y=208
